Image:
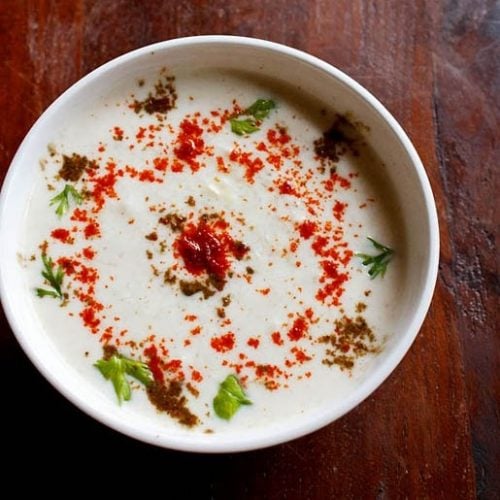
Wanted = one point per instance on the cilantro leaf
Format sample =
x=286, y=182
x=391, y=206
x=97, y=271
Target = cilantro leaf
x=41, y=292
x=116, y=367
x=229, y=398
x=138, y=370
x=260, y=109
x=62, y=199
x=378, y=263
x=54, y=279
x=242, y=127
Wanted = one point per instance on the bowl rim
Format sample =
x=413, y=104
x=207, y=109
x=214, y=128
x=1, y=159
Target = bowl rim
x=312, y=423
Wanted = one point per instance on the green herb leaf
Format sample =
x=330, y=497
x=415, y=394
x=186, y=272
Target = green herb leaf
x=138, y=370
x=229, y=398
x=41, y=292
x=62, y=199
x=378, y=263
x=54, y=279
x=242, y=127
x=116, y=367
x=260, y=109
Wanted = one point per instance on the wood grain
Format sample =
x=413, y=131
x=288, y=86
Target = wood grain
x=432, y=429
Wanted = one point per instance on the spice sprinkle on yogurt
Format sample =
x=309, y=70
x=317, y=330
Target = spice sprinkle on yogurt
x=214, y=250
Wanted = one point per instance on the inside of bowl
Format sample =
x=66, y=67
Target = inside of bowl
x=407, y=198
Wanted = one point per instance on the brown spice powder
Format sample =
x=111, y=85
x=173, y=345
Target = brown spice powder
x=360, y=307
x=152, y=236
x=161, y=101
x=189, y=288
x=169, y=277
x=174, y=221
x=73, y=167
x=168, y=398
x=336, y=141
x=353, y=338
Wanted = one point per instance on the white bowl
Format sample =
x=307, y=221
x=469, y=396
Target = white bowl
x=330, y=86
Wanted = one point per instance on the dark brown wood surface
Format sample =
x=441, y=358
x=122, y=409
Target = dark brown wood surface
x=432, y=429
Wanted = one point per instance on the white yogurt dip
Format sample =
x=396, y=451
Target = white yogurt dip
x=205, y=253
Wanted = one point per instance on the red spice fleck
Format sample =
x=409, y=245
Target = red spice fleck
x=147, y=176
x=89, y=319
x=307, y=229
x=221, y=166
x=205, y=248
x=347, y=257
x=177, y=166
x=333, y=289
x=87, y=275
x=223, y=343
x=88, y=253
x=117, y=134
x=276, y=336
x=107, y=336
x=252, y=166
x=68, y=265
x=300, y=355
x=173, y=365
x=92, y=230
x=277, y=137
x=131, y=171
x=104, y=186
x=286, y=188
x=338, y=210
x=160, y=164
x=196, y=330
x=336, y=179
x=141, y=133
x=299, y=329
x=62, y=235
x=189, y=143
x=154, y=363
x=330, y=269
x=196, y=376
x=275, y=160
x=190, y=317
x=294, y=245
x=319, y=244
x=253, y=342
x=264, y=291
x=79, y=215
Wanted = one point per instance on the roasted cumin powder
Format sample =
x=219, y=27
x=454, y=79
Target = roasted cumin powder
x=352, y=339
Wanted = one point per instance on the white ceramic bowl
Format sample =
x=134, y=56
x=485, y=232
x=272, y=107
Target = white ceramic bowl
x=328, y=84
